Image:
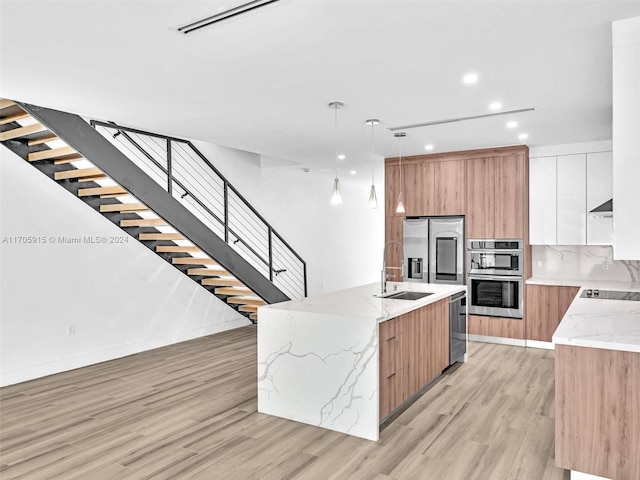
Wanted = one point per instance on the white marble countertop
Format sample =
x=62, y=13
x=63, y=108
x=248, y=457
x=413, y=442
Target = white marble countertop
x=600, y=323
x=625, y=285
x=362, y=301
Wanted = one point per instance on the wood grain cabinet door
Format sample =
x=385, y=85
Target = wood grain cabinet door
x=449, y=188
x=480, y=218
x=393, y=231
x=546, y=305
x=418, y=190
x=392, y=189
x=509, y=198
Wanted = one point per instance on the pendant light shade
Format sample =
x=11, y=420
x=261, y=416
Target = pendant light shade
x=336, y=198
x=373, y=198
x=399, y=135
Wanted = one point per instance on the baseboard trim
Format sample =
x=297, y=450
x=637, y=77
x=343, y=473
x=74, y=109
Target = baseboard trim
x=540, y=344
x=31, y=372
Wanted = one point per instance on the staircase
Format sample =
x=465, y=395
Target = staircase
x=23, y=131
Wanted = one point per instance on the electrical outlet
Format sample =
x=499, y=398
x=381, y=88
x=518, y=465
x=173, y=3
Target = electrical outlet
x=71, y=329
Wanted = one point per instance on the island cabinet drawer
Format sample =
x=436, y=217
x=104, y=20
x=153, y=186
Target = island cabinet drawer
x=391, y=348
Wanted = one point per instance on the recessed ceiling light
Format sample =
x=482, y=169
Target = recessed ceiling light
x=523, y=136
x=470, y=78
x=495, y=105
x=341, y=156
x=512, y=124
x=428, y=147
x=353, y=172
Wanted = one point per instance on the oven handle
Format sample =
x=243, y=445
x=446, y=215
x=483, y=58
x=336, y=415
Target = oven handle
x=493, y=250
x=473, y=276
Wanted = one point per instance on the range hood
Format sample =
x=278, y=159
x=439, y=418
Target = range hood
x=604, y=210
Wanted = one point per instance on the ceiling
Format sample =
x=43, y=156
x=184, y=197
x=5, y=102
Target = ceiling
x=261, y=82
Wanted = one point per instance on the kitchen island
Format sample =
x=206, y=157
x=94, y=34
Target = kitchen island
x=344, y=360
x=597, y=379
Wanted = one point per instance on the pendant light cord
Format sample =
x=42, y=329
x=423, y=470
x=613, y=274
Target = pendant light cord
x=372, y=152
x=336, y=135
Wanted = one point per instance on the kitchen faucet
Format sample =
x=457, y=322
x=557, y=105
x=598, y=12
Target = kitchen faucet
x=383, y=284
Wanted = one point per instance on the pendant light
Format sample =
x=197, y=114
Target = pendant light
x=373, y=199
x=336, y=198
x=399, y=136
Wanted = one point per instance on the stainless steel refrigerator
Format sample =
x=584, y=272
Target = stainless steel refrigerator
x=434, y=250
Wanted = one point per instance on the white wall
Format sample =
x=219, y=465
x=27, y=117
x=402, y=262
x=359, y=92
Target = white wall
x=342, y=244
x=122, y=298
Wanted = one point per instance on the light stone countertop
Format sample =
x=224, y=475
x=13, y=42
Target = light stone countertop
x=363, y=302
x=600, y=323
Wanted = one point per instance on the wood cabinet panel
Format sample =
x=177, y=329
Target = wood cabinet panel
x=391, y=363
x=597, y=410
x=509, y=198
x=418, y=192
x=496, y=327
x=449, y=188
x=546, y=305
x=394, y=231
x=480, y=218
x=392, y=189
x=414, y=348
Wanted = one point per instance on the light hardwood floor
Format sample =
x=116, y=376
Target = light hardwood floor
x=189, y=411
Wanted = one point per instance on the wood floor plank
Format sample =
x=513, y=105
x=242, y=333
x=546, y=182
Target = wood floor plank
x=189, y=411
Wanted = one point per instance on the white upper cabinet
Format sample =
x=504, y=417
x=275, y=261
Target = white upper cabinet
x=542, y=201
x=599, y=191
x=563, y=188
x=626, y=138
x=572, y=199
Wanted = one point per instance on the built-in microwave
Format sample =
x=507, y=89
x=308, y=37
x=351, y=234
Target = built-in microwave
x=495, y=295
x=495, y=257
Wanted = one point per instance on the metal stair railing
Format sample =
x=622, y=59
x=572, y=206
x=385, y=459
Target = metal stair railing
x=184, y=172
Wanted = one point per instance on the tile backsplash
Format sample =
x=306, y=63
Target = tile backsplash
x=588, y=262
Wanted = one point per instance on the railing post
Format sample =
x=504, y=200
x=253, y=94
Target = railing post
x=226, y=211
x=304, y=268
x=270, y=253
x=169, y=168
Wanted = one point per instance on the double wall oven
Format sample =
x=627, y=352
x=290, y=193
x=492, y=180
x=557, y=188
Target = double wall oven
x=495, y=282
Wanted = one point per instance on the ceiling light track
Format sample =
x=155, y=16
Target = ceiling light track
x=453, y=120
x=232, y=12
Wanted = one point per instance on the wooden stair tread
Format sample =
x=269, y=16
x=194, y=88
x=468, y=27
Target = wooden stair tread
x=222, y=282
x=68, y=159
x=247, y=301
x=231, y=291
x=248, y=308
x=52, y=153
x=214, y=272
x=113, y=190
x=123, y=207
x=142, y=222
x=161, y=236
x=6, y=103
x=253, y=316
x=12, y=118
x=193, y=261
x=176, y=248
x=79, y=173
x=44, y=139
x=22, y=131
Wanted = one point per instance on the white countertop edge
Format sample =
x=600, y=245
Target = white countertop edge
x=625, y=285
x=604, y=345
x=600, y=323
x=363, y=302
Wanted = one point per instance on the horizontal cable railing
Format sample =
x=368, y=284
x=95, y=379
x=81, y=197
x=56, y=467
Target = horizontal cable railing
x=184, y=172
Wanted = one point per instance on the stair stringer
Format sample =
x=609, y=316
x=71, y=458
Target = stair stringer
x=94, y=147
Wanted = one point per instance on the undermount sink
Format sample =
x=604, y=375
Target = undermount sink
x=407, y=295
